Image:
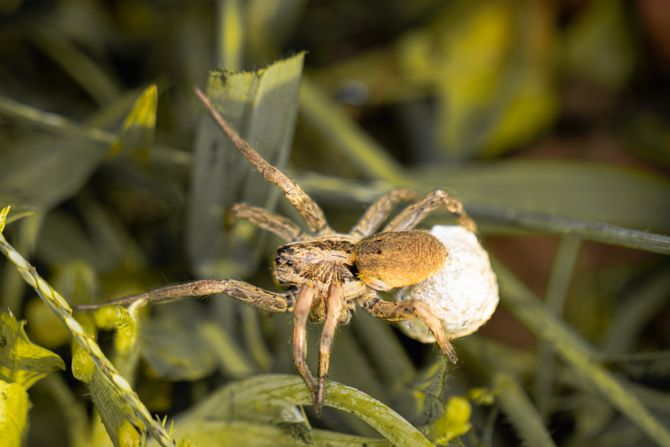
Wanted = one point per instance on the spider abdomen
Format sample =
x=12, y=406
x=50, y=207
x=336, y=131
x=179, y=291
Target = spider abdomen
x=395, y=259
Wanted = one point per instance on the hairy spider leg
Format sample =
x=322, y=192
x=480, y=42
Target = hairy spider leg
x=415, y=213
x=300, y=315
x=409, y=310
x=302, y=202
x=373, y=217
x=334, y=303
x=250, y=294
x=265, y=220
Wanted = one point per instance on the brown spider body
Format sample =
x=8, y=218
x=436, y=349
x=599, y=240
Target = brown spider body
x=396, y=259
x=319, y=262
x=384, y=261
x=327, y=274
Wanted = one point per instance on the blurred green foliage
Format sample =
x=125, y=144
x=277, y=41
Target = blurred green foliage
x=549, y=120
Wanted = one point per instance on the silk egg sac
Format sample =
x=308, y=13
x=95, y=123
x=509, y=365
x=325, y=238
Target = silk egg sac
x=463, y=294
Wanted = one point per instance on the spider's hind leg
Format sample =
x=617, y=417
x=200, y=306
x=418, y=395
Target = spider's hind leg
x=333, y=314
x=300, y=316
x=373, y=217
x=409, y=310
x=415, y=213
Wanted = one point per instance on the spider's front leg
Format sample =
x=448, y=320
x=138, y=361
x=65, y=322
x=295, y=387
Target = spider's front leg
x=303, y=307
x=303, y=203
x=409, y=310
x=265, y=220
x=334, y=304
x=415, y=213
x=250, y=294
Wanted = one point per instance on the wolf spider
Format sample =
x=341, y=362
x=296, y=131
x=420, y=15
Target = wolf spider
x=326, y=274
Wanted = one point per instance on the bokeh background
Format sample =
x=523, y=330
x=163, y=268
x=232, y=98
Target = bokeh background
x=550, y=120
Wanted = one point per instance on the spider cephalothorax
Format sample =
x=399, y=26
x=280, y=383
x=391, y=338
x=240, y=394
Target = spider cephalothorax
x=317, y=263
x=327, y=274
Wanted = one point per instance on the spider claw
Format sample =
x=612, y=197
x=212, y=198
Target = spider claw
x=319, y=396
x=448, y=350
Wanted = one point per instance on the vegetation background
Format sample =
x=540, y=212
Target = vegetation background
x=549, y=119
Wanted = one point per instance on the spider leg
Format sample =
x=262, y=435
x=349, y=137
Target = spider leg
x=409, y=310
x=415, y=213
x=264, y=219
x=334, y=309
x=300, y=315
x=305, y=205
x=373, y=217
x=261, y=298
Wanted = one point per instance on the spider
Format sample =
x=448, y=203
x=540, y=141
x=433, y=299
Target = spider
x=326, y=274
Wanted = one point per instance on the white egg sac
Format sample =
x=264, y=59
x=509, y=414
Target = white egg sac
x=463, y=294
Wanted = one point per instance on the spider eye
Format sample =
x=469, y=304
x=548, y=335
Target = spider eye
x=289, y=263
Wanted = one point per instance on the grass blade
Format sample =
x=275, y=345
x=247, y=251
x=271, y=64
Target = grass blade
x=557, y=292
x=596, y=192
x=644, y=303
x=347, y=137
x=262, y=107
x=236, y=433
x=335, y=190
x=520, y=411
x=576, y=352
x=260, y=393
x=62, y=309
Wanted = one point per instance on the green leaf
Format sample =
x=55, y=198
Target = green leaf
x=491, y=72
x=632, y=317
x=45, y=327
x=519, y=409
x=263, y=396
x=139, y=127
x=262, y=106
x=44, y=170
x=576, y=352
x=480, y=202
x=116, y=383
x=22, y=361
x=232, y=359
x=272, y=24
x=647, y=136
x=3, y=217
x=69, y=129
x=77, y=281
x=454, y=422
x=560, y=280
x=421, y=402
x=126, y=338
x=12, y=289
x=98, y=82
x=489, y=65
x=339, y=131
x=121, y=422
x=236, y=433
x=383, y=349
x=588, y=191
x=117, y=417
x=598, y=45
x=172, y=344
x=96, y=238
x=231, y=34
x=14, y=405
